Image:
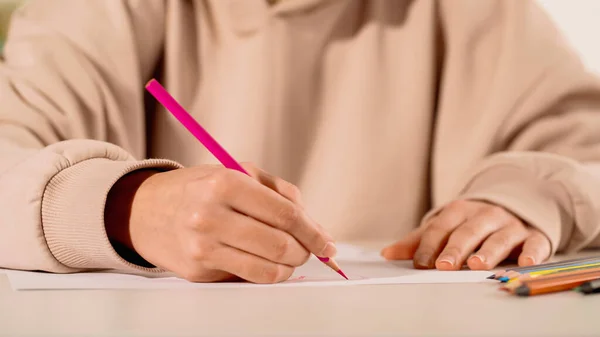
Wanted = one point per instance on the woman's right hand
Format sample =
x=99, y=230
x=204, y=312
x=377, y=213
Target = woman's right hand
x=209, y=223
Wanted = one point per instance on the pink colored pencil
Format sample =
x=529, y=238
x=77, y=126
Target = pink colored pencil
x=161, y=95
x=164, y=98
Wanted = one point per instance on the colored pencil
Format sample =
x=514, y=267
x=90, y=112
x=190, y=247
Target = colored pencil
x=543, y=266
x=518, y=282
x=591, y=287
x=554, y=284
x=164, y=98
x=535, y=274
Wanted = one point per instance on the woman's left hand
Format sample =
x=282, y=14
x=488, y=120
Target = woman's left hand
x=478, y=233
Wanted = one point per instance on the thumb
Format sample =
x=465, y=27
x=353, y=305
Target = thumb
x=405, y=248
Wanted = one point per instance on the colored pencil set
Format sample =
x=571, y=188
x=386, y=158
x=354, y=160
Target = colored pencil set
x=582, y=275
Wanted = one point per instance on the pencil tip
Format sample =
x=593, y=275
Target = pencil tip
x=342, y=273
x=491, y=277
x=522, y=291
x=586, y=288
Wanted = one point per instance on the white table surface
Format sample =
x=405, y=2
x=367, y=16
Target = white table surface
x=384, y=310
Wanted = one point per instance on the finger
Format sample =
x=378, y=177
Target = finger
x=498, y=247
x=249, y=267
x=279, y=185
x=435, y=235
x=536, y=249
x=251, y=198
x=249, y=235
x=405, y=248
x=468, y=236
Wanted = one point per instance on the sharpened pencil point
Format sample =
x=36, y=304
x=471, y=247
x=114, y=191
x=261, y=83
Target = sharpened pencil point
x=522, y=291
x=342, y=273
x=491, y=277
x=586, y=288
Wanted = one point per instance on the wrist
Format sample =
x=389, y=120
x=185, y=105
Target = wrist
x=118, y=214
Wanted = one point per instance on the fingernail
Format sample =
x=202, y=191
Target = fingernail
x=329, y=250
x=528, y=261
x=423, y=260
x=479, y=257
x=449, y=260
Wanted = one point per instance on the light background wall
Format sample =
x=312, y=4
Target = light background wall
x=580, y=21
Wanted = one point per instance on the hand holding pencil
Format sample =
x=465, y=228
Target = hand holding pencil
x=213, y=223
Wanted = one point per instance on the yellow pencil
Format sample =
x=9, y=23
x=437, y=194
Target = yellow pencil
x=538, y=273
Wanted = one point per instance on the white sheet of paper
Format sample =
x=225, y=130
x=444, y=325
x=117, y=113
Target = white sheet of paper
x=362, y=267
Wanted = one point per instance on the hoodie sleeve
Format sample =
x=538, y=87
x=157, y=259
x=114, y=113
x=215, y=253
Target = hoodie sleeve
x=71, y=124
x=518, y=120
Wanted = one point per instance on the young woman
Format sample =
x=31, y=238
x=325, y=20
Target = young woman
x=467, y=130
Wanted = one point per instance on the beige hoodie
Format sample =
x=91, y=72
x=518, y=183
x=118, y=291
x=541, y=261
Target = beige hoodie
x=379, y=110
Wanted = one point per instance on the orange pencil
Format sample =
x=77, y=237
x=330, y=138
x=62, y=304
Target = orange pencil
x=554, y=284
x=530, y=278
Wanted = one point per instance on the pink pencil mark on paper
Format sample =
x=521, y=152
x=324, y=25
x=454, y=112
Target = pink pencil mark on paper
x=314, y=279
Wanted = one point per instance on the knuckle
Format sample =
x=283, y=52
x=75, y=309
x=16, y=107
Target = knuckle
x=270, y=274
x=201, y=221
x=518, y=228
x=501, y=242
x=467, y=232
x=291, y=189
x=251, y=168
x=289, y=216
x=436, y=225
x=537, y=241
x=198, y=219
x=494, y=212
x=218, y=184
x=425, y=251
x=435, y=234
x=456, y=205
x=452, y=250
x=317, y=236
x=282, y=248
x=199, y=251
x=541, y=239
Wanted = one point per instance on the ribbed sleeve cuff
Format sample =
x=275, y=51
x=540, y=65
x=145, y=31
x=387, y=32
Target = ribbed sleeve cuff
x=73, y=212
